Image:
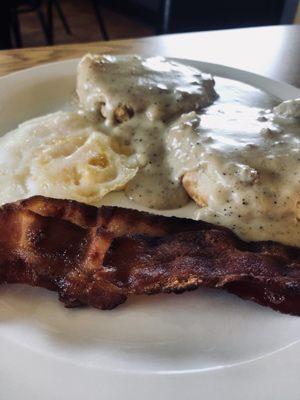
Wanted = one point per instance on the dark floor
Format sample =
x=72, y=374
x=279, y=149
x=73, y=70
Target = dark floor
x=83, y=24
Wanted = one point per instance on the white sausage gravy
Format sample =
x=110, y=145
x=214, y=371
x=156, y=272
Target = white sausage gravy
x=241, y=164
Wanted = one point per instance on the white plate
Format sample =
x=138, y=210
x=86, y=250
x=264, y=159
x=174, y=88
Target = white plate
x=202, y=345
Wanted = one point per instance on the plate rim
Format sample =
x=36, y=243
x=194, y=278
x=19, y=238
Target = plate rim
x=250, y=77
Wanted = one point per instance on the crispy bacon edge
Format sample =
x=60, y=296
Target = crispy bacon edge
x=100, y=257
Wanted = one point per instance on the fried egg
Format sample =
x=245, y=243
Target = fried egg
x=62, y=155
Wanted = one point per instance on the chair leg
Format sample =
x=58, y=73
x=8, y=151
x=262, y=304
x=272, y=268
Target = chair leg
x=62, y=16
x=16, y=27
x=164, y=18
x=100, y=20
x=50, y=22
x=5, y=27
x=45, y=27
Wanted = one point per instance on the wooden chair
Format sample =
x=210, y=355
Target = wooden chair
x=18, y=7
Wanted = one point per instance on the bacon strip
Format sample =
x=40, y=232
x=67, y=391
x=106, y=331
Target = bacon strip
x=99, y=257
